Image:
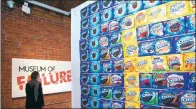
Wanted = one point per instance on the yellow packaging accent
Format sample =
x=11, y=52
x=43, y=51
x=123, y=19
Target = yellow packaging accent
x=132, y=94
x=130, y=49
x=129, y=35
x=159, y=63
x=141, y=18
x=189, y=61
x=143, y=64
x=175, y=62
x=131, y=79
x=131, y=105
x=129, y=64
x=192, y=7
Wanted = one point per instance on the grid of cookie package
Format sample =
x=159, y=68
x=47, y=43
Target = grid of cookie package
x=107, y=53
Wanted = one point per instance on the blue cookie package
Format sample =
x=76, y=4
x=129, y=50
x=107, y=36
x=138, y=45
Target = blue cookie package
x=116, y=2
x=95, y=91
x=94, y=102
x=134, y=6
x=157, y=30
x=106, y=66
x=106, y=3
x=118, y=93
x=95, y=66
x=115, y=38
x=107, y=15
x=187, y=100
x=146, y=48
x=95, y=7
x=118, y=66
x=84, y=12
x=84, y=102
x=150, y=107
x=84, y=23
x=83, y=55
x=190, y=23
x=85, y=90
x=184, y=43
x=177, y=81
x=104, y=28
x=113, y=26
x=93, y=43
x=103, y=41
x=94, y=79
x=106, y=79
x=84, y=67
x=192, y=80
x=105, y=54
x=95, y=31
x=83, y=44
x=142, y=33
x=106, y=104
x=120, y=10
x=159, y=80
x=126, y=23
x=145, y=80
x=149, y=96
x=93, y=55
x=118, y=80
x=174, y=26
x=118, y=105
x=116, y=52
x=84, y=79
x=84, y=34
x=94, y=19
x=151, y=3
x=163, y=46
x=106, y=93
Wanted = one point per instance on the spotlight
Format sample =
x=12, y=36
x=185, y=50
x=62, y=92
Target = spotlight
x=10, y=3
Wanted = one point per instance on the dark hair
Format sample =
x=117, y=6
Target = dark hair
x=34, y=75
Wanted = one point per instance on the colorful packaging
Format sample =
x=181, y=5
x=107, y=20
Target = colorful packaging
x=145, y=80
x=106, y=104
x=94, y=102
x=95, y=91
x=118, y=80
x=141, y=18
x=85, y=90
x=157, y=14
x=177, y=9
x=129, y=64
x=185, y=43
x=84, y=102
x=150, y=107
x=132, y=95
x=106, y=4
x=93, y=43
x=143, y=64
x=116, y=52
x=149, y=96
x=118, y=93
x=94, y=79
x=175, y=62
x=131, y=79
x=159, y=81
x=83, y=44
x=106, y=66
x=84, y=12
x=190, y=23
x=177, y=81
x=169, y=98
x=105, y=54
x=187, y=100
x=120, y=10
x=118, y=105
x=115, y=39
x=192, y=6
x=130, y=49
x=106, y=79
x=84, y=23
x=163, y=46
x=103, y=41
x=189, y=61
x=84, y=79
x=95, y=66
x=95, y=7
x=118, y=65
x=94, y=55
x=143, y=33
x=129, y=35
x=106, y=93
x=159, y=63
x=95, y=31
x=83, y=55
x=134, y=6
x=84, y=34
x=84, y=67
x=192, y=80
x=116, y=2
x=131, y=105
x=146, y=48
x=107, y=15
x=95, y=19
x=151, y=3
x=174, y=26
x=127, y=22
x=113, y=26
x=157, y=30
x=104, y=28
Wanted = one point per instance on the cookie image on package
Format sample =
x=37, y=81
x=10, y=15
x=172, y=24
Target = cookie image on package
x=134, y=6
x=118, y=66
x=117, y=105
x=106, y=80
x=145, y=80
x=94, y=79
x=156, y=30
x=83, y=45
x=113, y=26
x=149, y=97
x=106, y=92
x=159, y=80
x=84, y=102
x=95, y=91
x=118, y=93
x=95, y=66
x=106, y=66
x=83, y=55
x=84, y=67
x=120, y=10
x=84, y=12
x=146, y=48
x=85, y=90
x=115, y=38
x=116, y=52
x=103, y=41
x=95, y=103
x=84, y=34
x=176, y=81
x=106, y=104
x=117, y=80
x=105, y=53
x=106, y=15
x=94, y=19
x=127, y=22
x=93, y=55
x=188, y=100
x=192, y=81
x=95, y=7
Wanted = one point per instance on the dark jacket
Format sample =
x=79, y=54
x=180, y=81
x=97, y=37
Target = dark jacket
x=31, y=102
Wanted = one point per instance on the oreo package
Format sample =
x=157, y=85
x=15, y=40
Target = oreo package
x=120, y=10
x=95, y=7
x=83, y=55
x=118, y=93
x=84, y=23
x=85, y=90
x=185, y=43
x=106, y=79
x=104, y=28
x=116, y=2
x=106, y=104
x=84, y=67
x=175, y=26
x=187, y=100
x=150, y=107
x=95, y=19
x=95, y=91
x=146, y=48
x=84, y=12
x=93, y=43
x=159, y=80
x=113, y=26
x=107, y=15
x=84, y=34
x=93, y=55
x=94, y=102
x=105, y=54
x=145, y=80
x=192, y=80
x=169, y=98
x=149, y=96
x=84, y=102
x=127, y=22
x=116, y=52
x=134, y=6
x=151, y=3
x=177, y=81
x=106, y=3
x=84, y=79
x=118, y=79
x=103, y=41
x=95, y=31
x=94, y=79
x=118, y=66
x=190, y=23
x=142, y=33
x=106, y=66
x=163, y=46
x=115, y=39
x=95, y=66
x=118, y=105
x=157, y=30
x=106, y=93
x=83, y=45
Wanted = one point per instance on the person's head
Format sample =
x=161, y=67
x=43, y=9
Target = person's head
x=34, y=75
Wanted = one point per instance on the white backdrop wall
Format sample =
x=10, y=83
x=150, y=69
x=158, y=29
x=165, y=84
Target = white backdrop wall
x=75, y=56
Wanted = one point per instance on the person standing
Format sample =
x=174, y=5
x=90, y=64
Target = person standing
x=34, y=93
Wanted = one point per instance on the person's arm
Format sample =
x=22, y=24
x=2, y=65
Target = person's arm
x=41, y=94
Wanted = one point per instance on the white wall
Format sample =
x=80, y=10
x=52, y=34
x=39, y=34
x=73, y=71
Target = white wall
x=75, y=56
